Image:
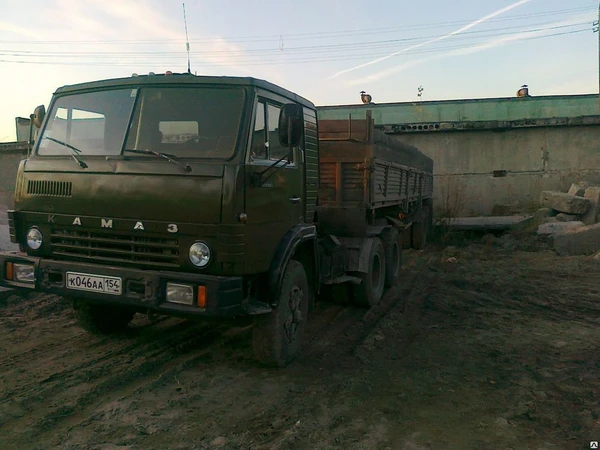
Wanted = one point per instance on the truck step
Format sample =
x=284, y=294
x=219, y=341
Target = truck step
x=344, y=279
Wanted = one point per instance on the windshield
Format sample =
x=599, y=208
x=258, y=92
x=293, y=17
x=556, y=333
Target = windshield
x=182, y=122
x=94, y=123
x=187, y=122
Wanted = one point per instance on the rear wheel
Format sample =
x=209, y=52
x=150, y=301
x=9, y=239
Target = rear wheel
x=420, y=230
x=277, y=336
x=370, y=290
x=392, y=245
x=102, y=319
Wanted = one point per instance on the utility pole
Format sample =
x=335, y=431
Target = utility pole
x=596, y=30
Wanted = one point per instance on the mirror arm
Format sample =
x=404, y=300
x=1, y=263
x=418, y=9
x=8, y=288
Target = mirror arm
x=29, y=143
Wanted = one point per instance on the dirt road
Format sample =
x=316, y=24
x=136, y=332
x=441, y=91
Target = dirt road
x=495, y=349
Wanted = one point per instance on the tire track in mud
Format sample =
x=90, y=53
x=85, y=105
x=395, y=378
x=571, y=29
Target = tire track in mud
x=70, y=348
x=81, y=385
x=340, y=337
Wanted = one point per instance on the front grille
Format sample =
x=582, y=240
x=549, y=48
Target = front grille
x=49, y=188
x=111, y=247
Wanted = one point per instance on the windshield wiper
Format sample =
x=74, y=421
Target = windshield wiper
x=74, y=151
x=166, y=156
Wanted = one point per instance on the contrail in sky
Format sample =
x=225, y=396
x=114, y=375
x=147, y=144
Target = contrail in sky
x=504, y=40
x=441, y=38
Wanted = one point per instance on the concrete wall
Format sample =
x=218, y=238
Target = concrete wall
x=10, y=156
x=485, y=109
x=535, y=159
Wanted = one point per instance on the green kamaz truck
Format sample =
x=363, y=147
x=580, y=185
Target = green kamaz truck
x=196, y=196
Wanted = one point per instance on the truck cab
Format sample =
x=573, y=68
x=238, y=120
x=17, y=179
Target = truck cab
x=171, y=194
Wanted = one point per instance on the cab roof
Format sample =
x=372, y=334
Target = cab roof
x=182, y=79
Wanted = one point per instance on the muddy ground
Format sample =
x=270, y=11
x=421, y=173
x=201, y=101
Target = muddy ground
x=491, y=345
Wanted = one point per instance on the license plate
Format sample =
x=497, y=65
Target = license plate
x=94, y=283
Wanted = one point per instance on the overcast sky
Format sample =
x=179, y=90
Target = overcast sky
x=325, y=50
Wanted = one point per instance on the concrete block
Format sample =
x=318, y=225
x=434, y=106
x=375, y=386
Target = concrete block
x=542, y=213
x=539, y=217
x=550, y=220
x=591, y=216
x=580, y=241
x=565, y=203
x=547, y=229
x=576, y=189
x=562, y=217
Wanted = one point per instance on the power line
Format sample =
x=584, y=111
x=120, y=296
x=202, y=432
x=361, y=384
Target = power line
x=374, y=45
x=273, y=62
x=306, y=36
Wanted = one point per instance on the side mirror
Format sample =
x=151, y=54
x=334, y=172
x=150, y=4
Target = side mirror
x=38, y=116
x=291, y=125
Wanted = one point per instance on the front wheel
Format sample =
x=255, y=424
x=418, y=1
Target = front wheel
x=277, y=336
x=102, y=319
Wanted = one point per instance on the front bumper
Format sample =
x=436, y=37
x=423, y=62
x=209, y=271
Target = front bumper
x=140, y=289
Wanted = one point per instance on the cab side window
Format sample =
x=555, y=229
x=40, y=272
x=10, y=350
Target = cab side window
x=265, y=138
x=276, y=151
x=259, y=147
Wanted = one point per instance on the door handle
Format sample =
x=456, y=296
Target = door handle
x=295, y=200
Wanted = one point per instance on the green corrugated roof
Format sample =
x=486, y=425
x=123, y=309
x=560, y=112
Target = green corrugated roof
x=488, y=109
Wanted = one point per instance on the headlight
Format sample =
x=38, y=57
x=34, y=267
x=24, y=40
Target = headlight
x=34, y=238
x=199, y=254
x=180, y=293
x=25, y=273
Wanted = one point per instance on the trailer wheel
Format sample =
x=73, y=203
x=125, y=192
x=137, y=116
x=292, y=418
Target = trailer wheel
x=277, y=336
x=370, y=290
x=420, y=230
x=101, y=319
x=392, y=245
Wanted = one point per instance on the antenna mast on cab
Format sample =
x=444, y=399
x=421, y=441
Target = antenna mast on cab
x=187, y=41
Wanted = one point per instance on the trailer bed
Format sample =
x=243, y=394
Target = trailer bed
x=364, y=168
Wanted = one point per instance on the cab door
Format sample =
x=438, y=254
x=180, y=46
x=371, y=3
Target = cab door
x=275, y=204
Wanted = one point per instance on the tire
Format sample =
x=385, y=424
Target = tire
x=277, y=336
x=420, y=230
x=369, y=292
x=392, y=246
x=102, y=319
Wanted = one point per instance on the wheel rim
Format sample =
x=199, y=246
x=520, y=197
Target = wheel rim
x=295, y=317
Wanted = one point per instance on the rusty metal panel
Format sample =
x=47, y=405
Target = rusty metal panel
x=328, y=187
x=363, y=167
x=352, y=183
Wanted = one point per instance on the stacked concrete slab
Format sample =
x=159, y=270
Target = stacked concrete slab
x=572, y=219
